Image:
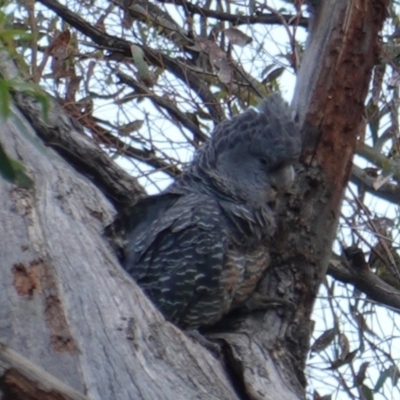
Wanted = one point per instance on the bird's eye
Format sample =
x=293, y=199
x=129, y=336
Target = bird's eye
x=277, y=167
x=263, y=161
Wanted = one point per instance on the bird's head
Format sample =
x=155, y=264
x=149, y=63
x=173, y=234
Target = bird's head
x=250, y=157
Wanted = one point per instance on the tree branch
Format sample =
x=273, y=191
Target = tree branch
x=151, y=14
x=68, y=139
x=364, y=280
x=20, y=378
x=104, y=136
x=388, y=191
x=120, y=47
x=377, y=158
x=237, y=19
x=172, y=110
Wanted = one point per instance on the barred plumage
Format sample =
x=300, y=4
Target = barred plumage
x=199, y=249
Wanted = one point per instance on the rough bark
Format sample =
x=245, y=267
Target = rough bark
x=19, y=377
x=68, y=306
x=329, y=104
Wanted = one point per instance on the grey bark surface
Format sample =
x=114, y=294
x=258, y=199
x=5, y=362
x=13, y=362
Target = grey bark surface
x=19, y=376
x=68, y=306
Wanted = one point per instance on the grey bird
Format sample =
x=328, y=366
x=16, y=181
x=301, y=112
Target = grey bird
x=199, y=249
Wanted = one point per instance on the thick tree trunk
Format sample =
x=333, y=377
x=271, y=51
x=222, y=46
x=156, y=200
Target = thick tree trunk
x=329, y=104
x=67, y=305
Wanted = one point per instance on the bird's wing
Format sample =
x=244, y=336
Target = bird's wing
x=136, y=218
x=178, y=256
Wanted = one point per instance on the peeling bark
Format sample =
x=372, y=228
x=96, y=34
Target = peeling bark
x=329, y=102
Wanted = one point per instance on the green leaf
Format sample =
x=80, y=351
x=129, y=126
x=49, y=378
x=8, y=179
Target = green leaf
x=367, y=392
x=6, y=167
x=141, y=65
x=21, y=178
x=391, y=372
x=13, y=171
x=4, y=98
x=32, y=89
x=395, y=374
x=13, y=34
